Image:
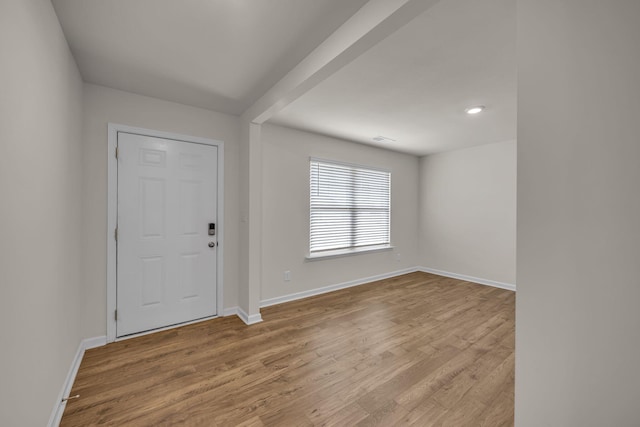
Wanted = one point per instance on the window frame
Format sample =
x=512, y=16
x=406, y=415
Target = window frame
x=351, y=250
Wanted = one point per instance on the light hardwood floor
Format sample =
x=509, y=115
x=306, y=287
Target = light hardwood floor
x=416, y=349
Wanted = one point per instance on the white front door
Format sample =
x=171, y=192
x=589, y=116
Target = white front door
x=166, y=259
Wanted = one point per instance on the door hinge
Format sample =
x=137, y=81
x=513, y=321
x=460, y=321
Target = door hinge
x=115, y=234
x=117, y=152
x=115, y=315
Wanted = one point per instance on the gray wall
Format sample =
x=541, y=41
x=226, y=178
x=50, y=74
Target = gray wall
x=468, y=212
x=40, y=211
x=578, y=268
x=285, y=188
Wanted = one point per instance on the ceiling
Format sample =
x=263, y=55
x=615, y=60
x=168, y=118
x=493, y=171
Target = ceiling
x=412, y=87
x=215, y=54
x=415, y=85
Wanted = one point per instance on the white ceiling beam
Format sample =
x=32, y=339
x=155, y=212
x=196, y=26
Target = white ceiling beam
x=374, y=22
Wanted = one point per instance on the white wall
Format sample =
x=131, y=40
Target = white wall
x=104, y=105
x=578, y=320
x=40, y=211
x=468, y=212
x=285, y=240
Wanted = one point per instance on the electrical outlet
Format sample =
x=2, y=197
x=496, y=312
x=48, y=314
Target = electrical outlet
x=287, y=276
x=398, y=256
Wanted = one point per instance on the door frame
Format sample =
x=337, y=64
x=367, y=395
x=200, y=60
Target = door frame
x=112, y=218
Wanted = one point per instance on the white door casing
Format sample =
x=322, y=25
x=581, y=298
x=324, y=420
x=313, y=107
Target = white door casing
x=168, y=266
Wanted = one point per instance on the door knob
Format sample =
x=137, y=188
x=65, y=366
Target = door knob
x=212, y=245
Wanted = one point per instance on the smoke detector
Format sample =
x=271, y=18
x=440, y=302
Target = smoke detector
x=383, y=139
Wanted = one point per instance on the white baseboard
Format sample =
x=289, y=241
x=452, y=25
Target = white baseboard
x=487, y=282
x=94, y=342
x=58, y=408
x=230, y=311
x=249, y=320
x=331, y=288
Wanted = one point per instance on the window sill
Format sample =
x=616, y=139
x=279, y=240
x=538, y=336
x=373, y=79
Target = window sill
x=347, y=252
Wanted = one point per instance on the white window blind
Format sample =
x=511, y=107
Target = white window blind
x=350, y=207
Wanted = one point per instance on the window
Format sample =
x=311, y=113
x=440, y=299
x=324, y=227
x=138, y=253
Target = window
x=350, y=208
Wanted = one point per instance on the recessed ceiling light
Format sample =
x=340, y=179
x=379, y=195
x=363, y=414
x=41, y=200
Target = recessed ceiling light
x=475, y=110
x=383, y=139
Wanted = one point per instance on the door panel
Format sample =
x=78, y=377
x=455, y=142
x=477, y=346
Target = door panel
x=166, y=199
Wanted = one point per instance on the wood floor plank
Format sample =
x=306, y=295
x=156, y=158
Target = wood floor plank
x=416, y=349
x=500, y=415
x=347, y=416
